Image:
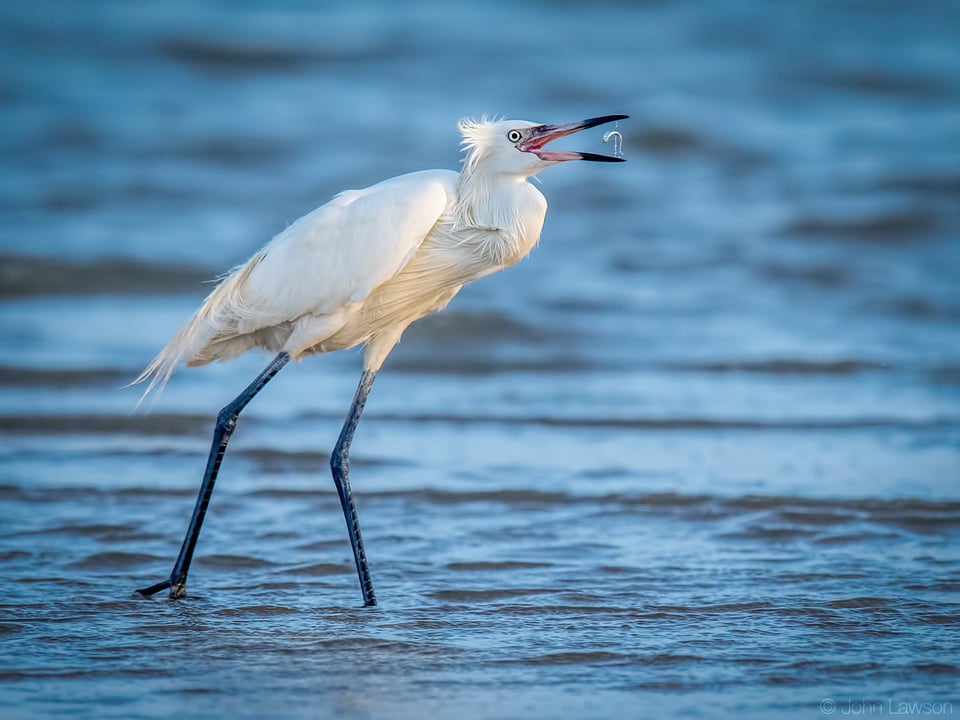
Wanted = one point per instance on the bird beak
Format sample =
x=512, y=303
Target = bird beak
x=542, y=134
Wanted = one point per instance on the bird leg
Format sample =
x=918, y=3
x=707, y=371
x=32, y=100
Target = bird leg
x=226, y=422
x=340, y=465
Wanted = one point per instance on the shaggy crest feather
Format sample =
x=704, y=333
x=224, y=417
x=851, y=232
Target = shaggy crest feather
x=478, y=136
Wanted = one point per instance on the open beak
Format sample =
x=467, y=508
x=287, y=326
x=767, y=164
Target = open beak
x=542, y=134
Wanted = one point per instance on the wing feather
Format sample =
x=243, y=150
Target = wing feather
x=335, y=255
x=327, y=260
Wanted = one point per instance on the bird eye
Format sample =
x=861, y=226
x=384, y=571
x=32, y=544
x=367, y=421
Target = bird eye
x=514, y=136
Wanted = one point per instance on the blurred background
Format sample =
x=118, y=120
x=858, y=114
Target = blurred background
x=701, y=450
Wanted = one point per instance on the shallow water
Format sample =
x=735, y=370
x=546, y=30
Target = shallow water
x=696, y=457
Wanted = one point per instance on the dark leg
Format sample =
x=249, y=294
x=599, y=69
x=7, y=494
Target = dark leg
x=340, y=465
x=226, y=422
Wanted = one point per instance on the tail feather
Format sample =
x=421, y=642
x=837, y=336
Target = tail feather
x=213, y=332
x=158, y=372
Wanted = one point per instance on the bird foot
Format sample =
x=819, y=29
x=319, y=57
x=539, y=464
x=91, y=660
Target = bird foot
x=177, y=590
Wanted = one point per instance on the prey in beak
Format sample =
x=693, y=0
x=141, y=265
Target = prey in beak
x=533, y=140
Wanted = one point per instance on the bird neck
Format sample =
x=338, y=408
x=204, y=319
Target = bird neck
x=501, y=214
x=490, y=201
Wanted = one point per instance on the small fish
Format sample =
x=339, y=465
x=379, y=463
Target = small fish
x=617, y=141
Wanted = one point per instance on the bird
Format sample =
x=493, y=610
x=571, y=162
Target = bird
x=358, y=271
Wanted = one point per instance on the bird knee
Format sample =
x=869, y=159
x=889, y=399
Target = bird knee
x=339, y=462
x=227, y=417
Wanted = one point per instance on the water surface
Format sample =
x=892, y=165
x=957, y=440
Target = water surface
x=696, y=457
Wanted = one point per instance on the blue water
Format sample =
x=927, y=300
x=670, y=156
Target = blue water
x=697, y=456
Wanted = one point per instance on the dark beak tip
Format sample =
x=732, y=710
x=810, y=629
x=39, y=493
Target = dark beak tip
x=594, y=157
x=604, y=119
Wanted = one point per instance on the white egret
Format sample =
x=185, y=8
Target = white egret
x=360, y=270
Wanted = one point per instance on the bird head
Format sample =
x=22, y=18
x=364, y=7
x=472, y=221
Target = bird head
x=516, y=147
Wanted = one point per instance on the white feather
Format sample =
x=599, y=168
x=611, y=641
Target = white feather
x=362, y=267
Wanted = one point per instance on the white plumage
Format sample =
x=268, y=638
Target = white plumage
x=359, y=270
x=364, y=266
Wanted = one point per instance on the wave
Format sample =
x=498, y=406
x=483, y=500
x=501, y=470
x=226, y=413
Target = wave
x=233, y=57
x=786, y=366
x=32, y=275
x=13, y=376
x=19, y=376
x=680, y=423
x=481, y=367
x=891, y=227
x=177, y=424
x=913, y=514
x=90, y=424
x=932, y=184
x=881, y=83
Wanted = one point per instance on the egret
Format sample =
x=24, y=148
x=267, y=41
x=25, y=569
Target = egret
x=360, y=270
